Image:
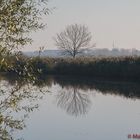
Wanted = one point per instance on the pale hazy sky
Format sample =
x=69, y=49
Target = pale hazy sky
x=108, y=21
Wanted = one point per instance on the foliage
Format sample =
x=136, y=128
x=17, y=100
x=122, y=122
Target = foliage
x=31, y=69
x=17, y=102
x=17, y=19
x=112, y=67
x=124, y=68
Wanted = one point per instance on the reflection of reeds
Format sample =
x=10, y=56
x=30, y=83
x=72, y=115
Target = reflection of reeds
x=125, y=89
x=84, y=83
x=74, y=97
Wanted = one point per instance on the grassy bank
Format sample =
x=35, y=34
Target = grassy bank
x=125, y=68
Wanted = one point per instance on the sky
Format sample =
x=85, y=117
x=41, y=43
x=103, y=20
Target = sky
x=109, y=21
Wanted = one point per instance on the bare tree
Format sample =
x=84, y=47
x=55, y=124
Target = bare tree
x=75, y=39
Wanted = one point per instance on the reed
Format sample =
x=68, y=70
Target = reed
x=112, y=67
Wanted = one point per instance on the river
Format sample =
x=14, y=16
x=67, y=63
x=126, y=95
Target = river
x=68, y=108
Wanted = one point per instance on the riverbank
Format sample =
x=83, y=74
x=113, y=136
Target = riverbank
x=121, y=68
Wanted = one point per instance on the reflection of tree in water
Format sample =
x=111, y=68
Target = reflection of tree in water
x=16, y=102
x=74, y=101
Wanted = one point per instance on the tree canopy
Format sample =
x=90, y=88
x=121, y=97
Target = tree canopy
x=18, y=18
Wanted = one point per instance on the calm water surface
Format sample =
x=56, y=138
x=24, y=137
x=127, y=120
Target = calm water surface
x=69, y=109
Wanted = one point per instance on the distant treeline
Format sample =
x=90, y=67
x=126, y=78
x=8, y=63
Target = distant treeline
x=121, y=68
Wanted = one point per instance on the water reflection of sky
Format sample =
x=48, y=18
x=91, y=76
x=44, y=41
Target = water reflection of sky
x=79, y=112
x=110, y=117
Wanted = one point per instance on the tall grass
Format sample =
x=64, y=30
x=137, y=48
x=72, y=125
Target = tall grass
x=120, y=68
x=113, y=67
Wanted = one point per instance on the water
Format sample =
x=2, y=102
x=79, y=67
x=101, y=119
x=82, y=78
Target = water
x=64, y=108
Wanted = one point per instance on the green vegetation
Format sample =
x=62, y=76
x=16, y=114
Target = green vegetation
x=121, y=68
x=18, y=18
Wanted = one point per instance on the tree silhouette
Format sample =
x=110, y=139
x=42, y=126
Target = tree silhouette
x=74, y=40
